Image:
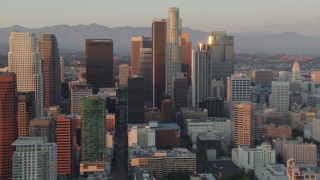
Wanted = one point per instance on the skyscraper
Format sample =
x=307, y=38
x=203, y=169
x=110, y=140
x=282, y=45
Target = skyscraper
x=159, y=29
x=34, y=158
x=136, y=44
x=262, y=77
x=239, y=88
x=135, y=105
x=146, y=71
x=24, y=60
x=242, y=122
x=25, y=112
x=8, y=122
x=166, y=109
x=279, y=98
x=65, y=134
x=50, y=63
x=180, y=91
x=296, y=75
x=124, y=73
x=62, y=59
x=222, y=53
x=186, y=55
x=93, y=135
x=99, y=63
x=79, y=91
x=173, y=48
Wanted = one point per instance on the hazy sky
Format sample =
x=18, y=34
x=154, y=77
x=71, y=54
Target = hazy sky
x=301, y=16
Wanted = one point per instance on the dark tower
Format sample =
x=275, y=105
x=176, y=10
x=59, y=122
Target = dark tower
x=99, y=63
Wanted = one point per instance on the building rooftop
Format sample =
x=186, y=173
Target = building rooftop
x=154, y=153
x=29, y=141
x=209, y=119
x=161, y=126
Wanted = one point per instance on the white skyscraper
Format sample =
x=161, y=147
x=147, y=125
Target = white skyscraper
x=24, y=60
x=296, y=72
x=173, y=53
x=279, y=98
x=239, y=88
x=34, y=159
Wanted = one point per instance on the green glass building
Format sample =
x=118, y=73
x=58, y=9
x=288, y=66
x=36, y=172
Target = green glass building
x=93, y=130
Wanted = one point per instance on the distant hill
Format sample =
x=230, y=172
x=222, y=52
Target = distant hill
x=72, y=38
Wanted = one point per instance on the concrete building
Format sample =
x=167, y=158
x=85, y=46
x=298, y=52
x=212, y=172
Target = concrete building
x=293, y=118
x=25, y=61
x=250, y=158
x=304, y=154
x=315, y=76
x=166, y=134
x=190, y=113
x=279, y=98
x=164, y=162
x=62, y=61
x=66, y=136
x=109, y=140
x=111, y=123
x=26, y=112
x=124, y=73
x=278, y=143
x=159, y=32
x=214, y=106
x=296, y=75
x=217, y=89
x=142, y=136
x=209, y=147
x=271, y=172
x=284, y=76
x=219, y=125
x=239, y=88
x=79, y=91
x=316, y=127
x=138, y=43
x=173, y=48
x=44, y=126
x=166, y=109
x=50, y=63
x=34, y=158
x=242, y=120
x=297, y=172
x=279, y=131
x=99, y=63
x=8, y=121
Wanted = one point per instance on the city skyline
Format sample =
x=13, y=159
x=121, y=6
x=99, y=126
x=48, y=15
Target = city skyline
x=255, y=16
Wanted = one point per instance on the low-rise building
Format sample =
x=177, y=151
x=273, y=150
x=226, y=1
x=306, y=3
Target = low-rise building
x=303, y=154
x=250, y=158
x=271, y=172
x=220, y=125
x=279, y=131
x=296, y=171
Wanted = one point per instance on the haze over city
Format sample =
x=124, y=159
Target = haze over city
x=159, y=90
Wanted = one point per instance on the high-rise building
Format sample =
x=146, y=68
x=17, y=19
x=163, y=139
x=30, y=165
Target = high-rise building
x=217, y=89
x=142, y=136
x=51, y=69
x=25, y=112
x=135, y=105
x=44, y=126
x=296, y=75
x=8, y=122
x=93, y=130
x=145, y=70
x=180, y=91
x=62, y=61
x=65, y=135
x=173, y=48
x=136, y=44
x=79, y=91
x=34, y=158
x=186, y=55
x=284, y=76
x=25, y=61
x=214, y=106
x=279, y=98
x=124, y=73
x=99, y=63
x=316, y=126
x=239, y=88
x=315, y=76
x=262, y=77
x=159, y=32
x=166, y=109
x=242, y=122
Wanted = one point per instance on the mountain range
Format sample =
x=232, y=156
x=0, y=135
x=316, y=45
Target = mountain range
x=72, y=38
